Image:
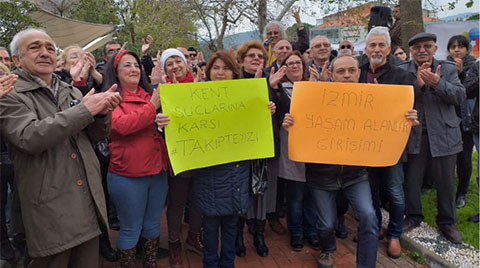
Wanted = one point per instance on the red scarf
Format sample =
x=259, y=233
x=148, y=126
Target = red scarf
x=187, y=79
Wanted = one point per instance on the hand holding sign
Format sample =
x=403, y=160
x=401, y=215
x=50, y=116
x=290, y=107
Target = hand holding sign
x=349, y=123
x=211, y=123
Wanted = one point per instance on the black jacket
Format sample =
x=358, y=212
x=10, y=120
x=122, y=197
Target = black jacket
x=391, y=75
x=471, y=84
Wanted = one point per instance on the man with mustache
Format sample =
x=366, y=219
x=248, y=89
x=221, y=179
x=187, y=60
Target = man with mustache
x=380, y=68
x=434, y=144
x=50, y=126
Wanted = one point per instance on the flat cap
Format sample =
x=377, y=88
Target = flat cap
x=422, y=37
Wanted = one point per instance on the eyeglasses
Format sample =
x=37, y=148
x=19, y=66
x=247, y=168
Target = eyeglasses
x=193, y=55
x=252, y=55
x=319, y=45
x=346, y=46
x=399, y=53
x=425, y=46
x=113, y=51
x=293, y=63
x=273, y=33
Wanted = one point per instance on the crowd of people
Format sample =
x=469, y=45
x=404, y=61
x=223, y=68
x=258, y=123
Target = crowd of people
x=83, y=150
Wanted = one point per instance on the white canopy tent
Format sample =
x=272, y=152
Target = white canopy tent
x=67, y=32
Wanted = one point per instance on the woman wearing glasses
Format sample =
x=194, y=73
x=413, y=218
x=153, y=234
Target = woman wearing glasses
x=301, y=215
x=400, y=53
x=251, y=55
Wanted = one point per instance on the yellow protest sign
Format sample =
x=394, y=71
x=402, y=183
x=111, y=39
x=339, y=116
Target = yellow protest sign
x=217, y=122
x=349, y=123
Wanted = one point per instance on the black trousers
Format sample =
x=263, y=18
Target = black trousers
x=6, y=178
x=443, y=172
x=464, y=163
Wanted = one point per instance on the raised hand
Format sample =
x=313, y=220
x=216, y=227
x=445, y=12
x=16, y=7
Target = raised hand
x=102, y=103
x=276, y=77
x=156, y=76
x=77, y=68
x=7, y=82
x=325, y=73
x=200, y=57
x=146, y=45
x=198, y=75
x=296, y=15
x=314, y=76
x=155, y=99
x=87, y=67
x=124, y=46
x=420, y=81
x=430, y=79
x=459, y=64
x=259, y=72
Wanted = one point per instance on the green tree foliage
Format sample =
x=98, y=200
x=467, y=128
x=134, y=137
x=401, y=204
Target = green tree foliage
x=96, y=11
x=292, y=30
x=13, y=18
x=473, y=17
x=169, y=22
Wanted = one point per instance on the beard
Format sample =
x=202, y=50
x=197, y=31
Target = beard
x=376, y=61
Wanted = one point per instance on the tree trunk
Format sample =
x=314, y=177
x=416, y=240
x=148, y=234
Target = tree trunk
x=262, y=16
x=412, y=20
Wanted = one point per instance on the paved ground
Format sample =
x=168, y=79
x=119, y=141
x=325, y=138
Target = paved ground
x=281, y=255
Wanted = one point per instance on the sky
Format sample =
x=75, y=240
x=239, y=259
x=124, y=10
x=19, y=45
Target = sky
x=439, y=5
x=313, y=13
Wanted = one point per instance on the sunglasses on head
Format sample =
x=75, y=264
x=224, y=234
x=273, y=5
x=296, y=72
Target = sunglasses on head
x=346, y=46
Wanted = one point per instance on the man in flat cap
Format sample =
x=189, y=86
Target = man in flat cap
x=434, y=144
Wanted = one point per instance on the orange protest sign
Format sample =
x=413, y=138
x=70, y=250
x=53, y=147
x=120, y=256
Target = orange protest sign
x=349, y=123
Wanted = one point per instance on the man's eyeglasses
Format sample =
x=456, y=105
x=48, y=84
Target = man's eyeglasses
x=425, y=46
x=252, y=55
x=193, y=54
x=113, y=51
x=293, y=63
x=319, y=45
x=345, y=46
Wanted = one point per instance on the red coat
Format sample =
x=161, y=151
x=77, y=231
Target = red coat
x=136, y=148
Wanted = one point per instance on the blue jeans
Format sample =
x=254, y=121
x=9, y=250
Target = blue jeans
x=388, y=180
x=301, y=214
x=228, y=226
x=139, y=203
x=361, y=201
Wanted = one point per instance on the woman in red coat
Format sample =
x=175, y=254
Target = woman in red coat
x=137, y=174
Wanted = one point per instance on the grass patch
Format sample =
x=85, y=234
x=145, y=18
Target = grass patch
x=415, y=256
x=468, y=229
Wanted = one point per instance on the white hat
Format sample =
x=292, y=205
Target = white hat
x=170, y=53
